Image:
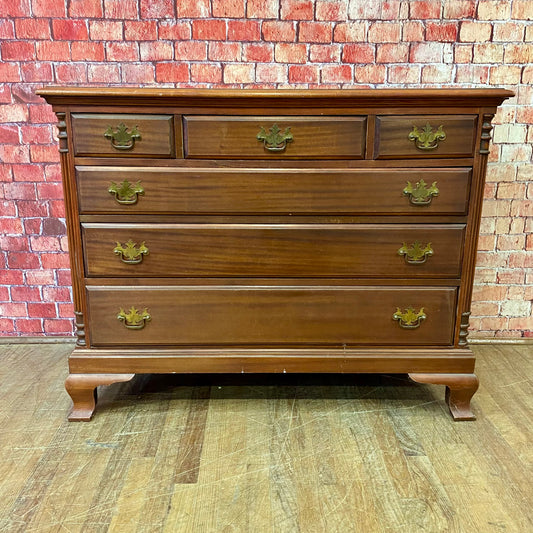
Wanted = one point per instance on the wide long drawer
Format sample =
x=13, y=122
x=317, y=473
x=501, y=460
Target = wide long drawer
x=204, y=315
x=139, y=190
x=285, y=137
x=285, y=250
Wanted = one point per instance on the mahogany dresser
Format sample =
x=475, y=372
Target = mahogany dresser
x=273, y=231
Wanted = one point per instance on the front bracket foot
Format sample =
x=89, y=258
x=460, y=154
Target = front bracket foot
x=82, y=389
x=459, y=391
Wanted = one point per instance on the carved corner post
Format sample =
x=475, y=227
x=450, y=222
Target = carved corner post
x=82, y=390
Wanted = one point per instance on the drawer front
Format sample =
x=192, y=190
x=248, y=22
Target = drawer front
x=425, y=136
x=274, y=315
x=123, y=135
x=273, y=191
x=275, y=137
x=241, y=250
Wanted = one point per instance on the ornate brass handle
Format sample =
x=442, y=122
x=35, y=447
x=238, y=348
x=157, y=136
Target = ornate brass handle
x=275, y=140
x=420, y=194
x=134, y=319
x=416, y=254
x=427, y=139
x=409, y=319
x=121, y=138
x=126, y=193
x=129, y=253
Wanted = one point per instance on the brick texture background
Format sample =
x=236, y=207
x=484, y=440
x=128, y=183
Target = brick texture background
x=256, y=43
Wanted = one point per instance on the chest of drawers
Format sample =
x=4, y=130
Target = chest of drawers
x=272, y=231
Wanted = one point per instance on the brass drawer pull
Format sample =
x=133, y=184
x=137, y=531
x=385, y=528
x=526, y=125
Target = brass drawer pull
x=121, y=138
x=416, y=253
x=129, y=253
x=409, y=319
x=275, y=140
x=419, y=194
x=427, y=139
x=134, y=319
x=126, y=193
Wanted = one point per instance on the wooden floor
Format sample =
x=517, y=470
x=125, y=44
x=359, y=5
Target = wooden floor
x=265, y=453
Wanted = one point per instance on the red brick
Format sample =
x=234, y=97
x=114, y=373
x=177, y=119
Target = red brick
x=18, y=51
x=9, y=72
x=228, y=8
x=210, y=30
x=144, y=30
x=56, y=294
x=424, y=9
x=303, y=74
x=156, y=51
x=42, y=277
x=365, y=10
x=157, y=9
x=190, y=51
x=22, y=260
x=426, y=53
x=10, y=226
x=7, y=29
x=290, y=53
x=59, y=260
x=53, y=51
x=413, y=31
x=384, y=33
x=103, y=74
x=442, y=32
x=70, y=30
x=9, y=134
x=508, y=32
x=42, y=114
x=44, y=154
x=262, y=9
x=350, y=32
x=44, y=244
x=32, y=226
x=488, y=53
x=4, y=294
x=57, y=208
x=195, y=9
x=296, y=10
x=25, y=294
x=392, y=53
x=71, y=73
x=471, y=74
x=5, y=175
x=271, y=73
x=85, y=8
x=224, y=51
x=239, y=73
x=53, y=226
x=13, y=309
x=106, y=30
x=475, y=31
x=331, y=10
x=33, y=72
x=325, y=53
x=32, y=28
x=14, y=154
x=244, y=30
x=28, y=172
x=14, y=244
x=437, y=73
x=519, y=53
x=23, y=92
x=493, y=10
x=12, y=277
x=64, y=278
x=403, y=74
x=49, y=8
x=504, y=75
x=172, y=72
x=121, y=9
x=174, y=31
x=358, y=53
x=65, y=310
x=15, y=8
x=315, y=32
x=260, y=52
x=19, y=191
x=392, y=10
x=337, y=74
x=125, y=51
x=522, y=10
x=58, y=326
x=279, y=31
x=87, y=51
x=206, y=72
x=463, y=53
x=28, y=325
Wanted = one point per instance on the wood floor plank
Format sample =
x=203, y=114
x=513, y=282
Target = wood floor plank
x=265, y=454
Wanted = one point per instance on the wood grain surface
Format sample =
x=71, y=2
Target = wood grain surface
x=247, y=454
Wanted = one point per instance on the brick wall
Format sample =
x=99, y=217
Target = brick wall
x=256, y=43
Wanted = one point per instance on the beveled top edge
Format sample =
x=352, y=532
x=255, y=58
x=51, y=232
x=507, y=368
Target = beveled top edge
x=132, y=92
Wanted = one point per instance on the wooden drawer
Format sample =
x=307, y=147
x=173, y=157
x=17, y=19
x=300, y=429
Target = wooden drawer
x=144, y=135
x=273, y=191
x=244, y=250
x=248, y=315
x=424, y=136
x=310, y=137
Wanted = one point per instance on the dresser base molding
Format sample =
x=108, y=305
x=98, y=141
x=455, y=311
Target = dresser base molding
x=459, y=391
x=91, y=368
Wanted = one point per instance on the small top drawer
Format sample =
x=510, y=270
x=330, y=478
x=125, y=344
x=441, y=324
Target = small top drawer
x=424, y=136
x=271, y=137
x=119, y=135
